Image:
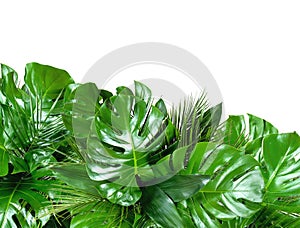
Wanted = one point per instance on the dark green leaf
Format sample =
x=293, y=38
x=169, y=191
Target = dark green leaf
x=181, y=187
x=268, y=217
x=160, y=208
x=76, y=176
x=199, y=215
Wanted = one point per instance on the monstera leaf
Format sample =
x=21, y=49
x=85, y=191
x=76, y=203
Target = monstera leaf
x=31, y=131
x=31, y=114
x=282, y=171
x=21, y=204
x=235, y=188
x=242, y=129
x=125, y=134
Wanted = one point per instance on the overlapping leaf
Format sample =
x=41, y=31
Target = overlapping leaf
x=236, y=185
x=127, y=132
x=281, y=154
x=238, y=131
x=21, y=204
x=31, y=131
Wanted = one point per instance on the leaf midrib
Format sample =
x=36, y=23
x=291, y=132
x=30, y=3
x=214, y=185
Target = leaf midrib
x=274, y=173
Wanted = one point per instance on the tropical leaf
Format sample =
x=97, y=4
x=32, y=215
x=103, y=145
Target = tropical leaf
x=31, y=118
x=4, y=160
x=99, y=214
x=75, y=175
x=124, y=136
x=236, y=185
x=195, y=120
x=237, y=131
x=31, y=131
x=21, y=203
x=160, y=208
x=198, y=216
x=281, y=154
x=181, y=187
x=268, y=217
x=85, y=201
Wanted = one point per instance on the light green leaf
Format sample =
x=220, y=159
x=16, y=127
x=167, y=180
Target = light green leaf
x=4, y=159
x=98, y=214
x=46, y=81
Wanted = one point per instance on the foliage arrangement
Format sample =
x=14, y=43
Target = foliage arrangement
x=73, y=155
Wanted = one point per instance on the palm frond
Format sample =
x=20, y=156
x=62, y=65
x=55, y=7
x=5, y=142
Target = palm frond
x=195, y=119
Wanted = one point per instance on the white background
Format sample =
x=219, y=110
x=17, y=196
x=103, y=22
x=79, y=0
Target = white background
x=252, y=48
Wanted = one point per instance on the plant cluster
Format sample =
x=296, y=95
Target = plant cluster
x=74, y=155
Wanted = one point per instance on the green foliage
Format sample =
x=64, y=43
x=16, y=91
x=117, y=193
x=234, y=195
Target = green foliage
x=31, y=133
x=73, y=155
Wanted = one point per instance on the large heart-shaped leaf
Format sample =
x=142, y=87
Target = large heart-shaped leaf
x=129, y=130
x=46, y=81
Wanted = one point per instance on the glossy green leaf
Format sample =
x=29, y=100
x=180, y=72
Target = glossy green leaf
x=30, y=114
x=185, y=214
x=199, y=215
x=160, y=208
x=238, y=131
x=9, y=84
x=99, y=214
x=46, y=81
x=31, y=132
x=275, y=218
x=4, y=159
x=281, y=153
x=118, y=194
x=145, y=222
x=181, y=187
x=236, y=184
x=76, y=176
x=129, y=131
x=15, y=194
